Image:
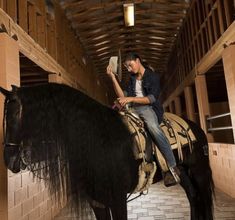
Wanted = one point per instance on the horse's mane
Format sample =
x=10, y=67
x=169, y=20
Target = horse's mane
x=71, y=139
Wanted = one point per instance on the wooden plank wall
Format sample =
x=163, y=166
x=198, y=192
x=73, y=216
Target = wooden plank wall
x=49, y=28
x=32, y=16
x=204, y=25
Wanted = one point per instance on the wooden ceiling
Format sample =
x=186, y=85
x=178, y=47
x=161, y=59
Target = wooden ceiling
x=99, y=25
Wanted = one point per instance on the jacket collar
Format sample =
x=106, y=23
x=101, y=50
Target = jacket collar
x=145, y=76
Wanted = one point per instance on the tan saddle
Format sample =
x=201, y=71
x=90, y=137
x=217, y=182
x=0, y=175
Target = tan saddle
x=178, y=133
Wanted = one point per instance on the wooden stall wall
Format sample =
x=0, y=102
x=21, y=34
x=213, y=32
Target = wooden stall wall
x=208, y=29
x=222, y=160
x=54, y=45
x=9, y=74
x=21, y=197
x=204, y=25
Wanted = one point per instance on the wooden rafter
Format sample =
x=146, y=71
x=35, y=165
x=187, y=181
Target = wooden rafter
x=100, y=27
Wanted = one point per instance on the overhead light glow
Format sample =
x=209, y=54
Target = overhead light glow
x=129, y=14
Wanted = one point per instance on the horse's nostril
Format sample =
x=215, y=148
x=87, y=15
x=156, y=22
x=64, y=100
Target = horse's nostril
x=12, y=157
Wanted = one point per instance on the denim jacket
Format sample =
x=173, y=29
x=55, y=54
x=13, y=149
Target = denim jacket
x=151, y=89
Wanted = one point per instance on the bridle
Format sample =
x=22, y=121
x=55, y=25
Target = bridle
x=8, y=144
x=11, y=145
x=21, y=148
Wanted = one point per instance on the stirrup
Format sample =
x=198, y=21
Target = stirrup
x=175, y=174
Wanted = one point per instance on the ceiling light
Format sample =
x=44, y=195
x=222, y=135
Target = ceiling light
x=129, y=16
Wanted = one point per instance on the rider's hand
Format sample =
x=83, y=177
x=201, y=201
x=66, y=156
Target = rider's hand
x=109, y=72
x=124, y=100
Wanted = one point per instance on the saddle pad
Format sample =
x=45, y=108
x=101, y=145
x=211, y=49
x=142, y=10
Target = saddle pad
x=176, y=130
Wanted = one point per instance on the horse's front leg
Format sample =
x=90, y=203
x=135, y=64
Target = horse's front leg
x=119, y=209
x=191, y=193
x=102, y=213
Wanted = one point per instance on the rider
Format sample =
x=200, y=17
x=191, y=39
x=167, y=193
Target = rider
x=143, y=91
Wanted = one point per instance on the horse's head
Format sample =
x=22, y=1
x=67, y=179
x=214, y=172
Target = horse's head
x=11, y=129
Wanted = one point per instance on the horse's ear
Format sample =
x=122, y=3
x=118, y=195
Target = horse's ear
x=4, y=91
x=14, y=88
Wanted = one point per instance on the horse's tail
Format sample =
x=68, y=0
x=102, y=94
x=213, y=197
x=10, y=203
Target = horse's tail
x=201, y=175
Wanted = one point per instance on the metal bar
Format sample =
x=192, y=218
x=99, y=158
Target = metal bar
x=220, y=128
x=218, y=116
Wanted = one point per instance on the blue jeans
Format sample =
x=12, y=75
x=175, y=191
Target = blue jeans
x=150, y=119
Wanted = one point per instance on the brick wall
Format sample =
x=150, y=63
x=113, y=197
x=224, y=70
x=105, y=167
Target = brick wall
x=222, y=160
x=28, y=198
x=9, y=74
x=21, y=197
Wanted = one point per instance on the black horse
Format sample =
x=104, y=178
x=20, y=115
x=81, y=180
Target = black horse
x=84, y=148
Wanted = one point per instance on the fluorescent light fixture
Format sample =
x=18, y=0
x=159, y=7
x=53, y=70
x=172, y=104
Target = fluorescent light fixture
x=129, y=14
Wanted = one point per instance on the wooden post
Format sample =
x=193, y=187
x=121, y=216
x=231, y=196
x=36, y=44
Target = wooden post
x=189, y=101
x=41, y=22
x=9, y=74
x=1, y=4
x=172, y=107
x=214, y=24
x=220, y=15
x=209, y=26
x=229, y=73
x=59, y=33
x=203, y=103
x=228, y=11
x=23, y=14
x=12, y=9
x=32, y=21
x=178, y=108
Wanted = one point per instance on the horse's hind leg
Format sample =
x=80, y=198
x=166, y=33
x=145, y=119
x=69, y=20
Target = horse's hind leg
x=118, y=211
x=191, y=194
x=199, y=209
x=201, y=181
x=102, y=213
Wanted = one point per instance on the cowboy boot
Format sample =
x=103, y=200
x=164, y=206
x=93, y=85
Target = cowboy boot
x=171, y=177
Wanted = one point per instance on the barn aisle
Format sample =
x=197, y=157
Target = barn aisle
x=167, y=203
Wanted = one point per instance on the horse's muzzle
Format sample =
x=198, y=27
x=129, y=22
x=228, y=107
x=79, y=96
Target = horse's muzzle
x=12, y=157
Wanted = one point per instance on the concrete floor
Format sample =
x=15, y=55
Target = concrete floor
x=166, y=203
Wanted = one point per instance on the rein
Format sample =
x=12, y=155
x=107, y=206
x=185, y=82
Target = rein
x=140, y=194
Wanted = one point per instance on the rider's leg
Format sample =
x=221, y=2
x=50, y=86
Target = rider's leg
x=159, y=138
